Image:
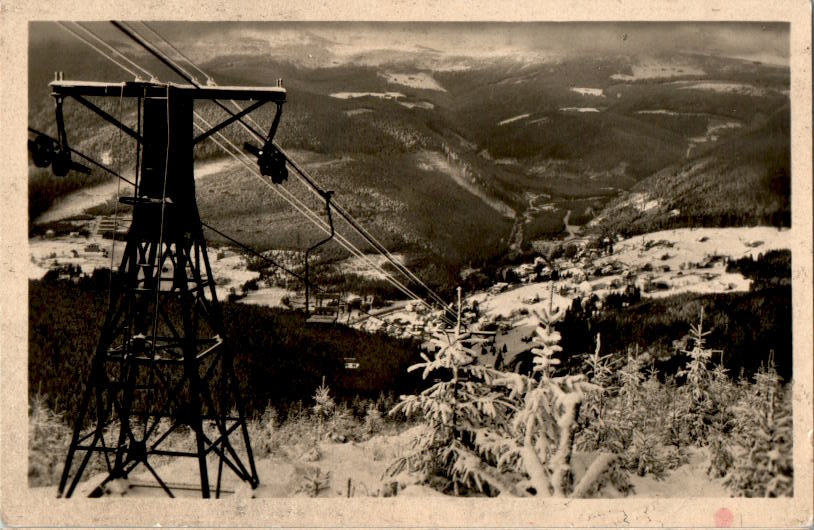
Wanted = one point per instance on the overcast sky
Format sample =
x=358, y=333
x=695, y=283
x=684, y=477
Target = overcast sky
x=336, y=43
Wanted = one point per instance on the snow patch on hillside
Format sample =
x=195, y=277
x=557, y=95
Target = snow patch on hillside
x=513, y=119
x=724, y=87
x=655, y=70
x=415, y=80
x=77, y=202
x=435, y=161
x=598, y=92
x=354, y=95
x=660, y=111
x=578, y=109
x=417, y=104
x=367, y=266
x=356, y=112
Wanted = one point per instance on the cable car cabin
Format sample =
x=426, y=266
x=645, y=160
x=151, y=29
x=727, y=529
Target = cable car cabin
x=351, y=363
x=326, y=310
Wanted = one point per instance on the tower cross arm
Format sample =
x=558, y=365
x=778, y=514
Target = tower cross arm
x=63, y=87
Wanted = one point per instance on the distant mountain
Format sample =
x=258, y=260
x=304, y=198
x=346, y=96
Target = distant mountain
x=459, y=144
x=744, y=180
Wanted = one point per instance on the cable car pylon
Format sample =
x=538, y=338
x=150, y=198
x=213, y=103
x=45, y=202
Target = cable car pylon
x=162, y=365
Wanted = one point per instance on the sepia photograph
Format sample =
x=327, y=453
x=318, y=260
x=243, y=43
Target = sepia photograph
x=290, y=262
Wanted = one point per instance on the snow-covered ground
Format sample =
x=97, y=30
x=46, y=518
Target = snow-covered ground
x=656, y=70
x=354, y=95
x=588, y=91
x=578, y=109
x=77, y=202
x=415, y=80
x=356, y=112
x=725, y=87
x=417, y=105
x=367, y=266
x=94, y=252
x=88, y=253
x=513, y=119
x=693, y=244
x=660, y=111
x=359, y=466
x=357, y=469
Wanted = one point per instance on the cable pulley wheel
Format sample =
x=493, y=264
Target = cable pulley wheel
x=272, y=164
x=62, y=163
x=42, y=151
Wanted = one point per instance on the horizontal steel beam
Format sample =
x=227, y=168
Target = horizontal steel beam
x=132, y=89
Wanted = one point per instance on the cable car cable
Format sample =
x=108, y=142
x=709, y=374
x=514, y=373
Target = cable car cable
x=168, y=62
x=300, y=171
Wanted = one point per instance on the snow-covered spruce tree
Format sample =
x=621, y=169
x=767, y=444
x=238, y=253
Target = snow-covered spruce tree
x=461, y=409
x=543, y=426
x=323, y=408
x=700, y=405
x=597, y=428
x=499, y=432
x=762, y=439
x=48, y=439
x=639, y=412
x=723, y=391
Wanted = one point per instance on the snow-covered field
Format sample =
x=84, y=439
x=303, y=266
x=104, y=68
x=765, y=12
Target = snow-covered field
x=355, y=469
x=356, y=112
x=513, y=119
x=415, y=80
x=77, y=202
x=358, y=465
x=724, y=87
x=579, y=109
x=660, y=111
x=588, y=91
x=367, y=266
x=354, y=95
x=417, y=105
x=657, y=70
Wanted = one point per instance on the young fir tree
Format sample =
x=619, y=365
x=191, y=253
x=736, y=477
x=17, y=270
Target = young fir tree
x=545, y=421
x=762, y=440
x=723, y=391
x=459, y=410
x=499, y=431
x=323, y=408
x=700, y=406
x=596, y=429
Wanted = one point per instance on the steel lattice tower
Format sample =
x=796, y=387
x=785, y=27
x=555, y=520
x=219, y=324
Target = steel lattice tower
x=162, y=367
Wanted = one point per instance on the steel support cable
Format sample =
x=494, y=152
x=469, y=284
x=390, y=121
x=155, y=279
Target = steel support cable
x=160, y=255
x=118, y=175
x=118, y=194
x=378, y=246
x=304, y=177
x=156, y=51
x=114, y=50
x=101, y=52
x=175, y=49
x=130, y=32
x=122, y=178
x=231, y=239
x=351, y=250
x=168, y=61
x=313, y=217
